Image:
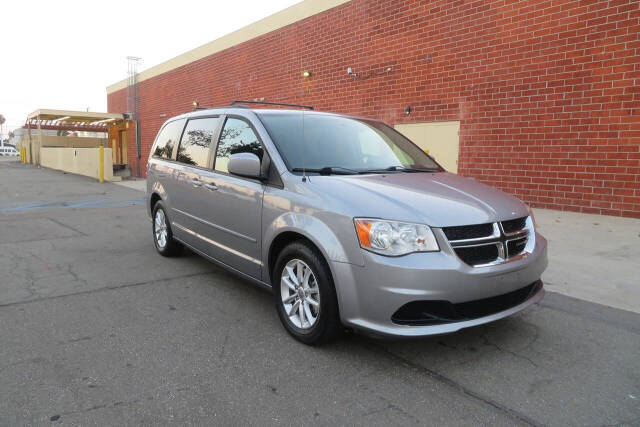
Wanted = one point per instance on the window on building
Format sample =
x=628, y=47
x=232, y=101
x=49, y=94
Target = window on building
x=167, y=139
x=196, y=142
x=236, y=137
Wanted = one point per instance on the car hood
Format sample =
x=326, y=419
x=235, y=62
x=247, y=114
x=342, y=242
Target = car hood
x=437, y=199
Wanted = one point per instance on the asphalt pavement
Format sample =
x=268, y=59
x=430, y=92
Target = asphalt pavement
x=97, y=329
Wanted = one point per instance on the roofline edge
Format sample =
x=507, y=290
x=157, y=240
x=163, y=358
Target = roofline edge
x=278, y=20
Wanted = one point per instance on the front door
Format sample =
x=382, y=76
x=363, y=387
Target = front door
x=235, y=207
x=121, y=149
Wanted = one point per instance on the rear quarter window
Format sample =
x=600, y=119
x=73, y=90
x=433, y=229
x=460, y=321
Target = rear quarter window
x=167, y=139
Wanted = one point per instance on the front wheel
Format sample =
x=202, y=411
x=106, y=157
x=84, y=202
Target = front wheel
x=304, y=294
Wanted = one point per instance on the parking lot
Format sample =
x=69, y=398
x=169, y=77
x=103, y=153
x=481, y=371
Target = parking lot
x=97, y=328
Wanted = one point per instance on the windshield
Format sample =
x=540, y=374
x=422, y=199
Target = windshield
x=335, y=143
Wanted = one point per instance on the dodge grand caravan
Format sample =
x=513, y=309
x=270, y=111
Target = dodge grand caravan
x=346, y=220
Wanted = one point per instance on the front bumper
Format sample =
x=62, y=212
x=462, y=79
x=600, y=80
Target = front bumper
x=370, y=295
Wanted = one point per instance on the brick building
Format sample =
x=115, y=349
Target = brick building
x=546, y=93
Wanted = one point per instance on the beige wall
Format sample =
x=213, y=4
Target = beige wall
x=440, y=139
x=81, y=161
x=66, y=141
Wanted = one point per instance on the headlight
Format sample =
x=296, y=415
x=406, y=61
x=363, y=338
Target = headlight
x=394, y=238
x=533, y=218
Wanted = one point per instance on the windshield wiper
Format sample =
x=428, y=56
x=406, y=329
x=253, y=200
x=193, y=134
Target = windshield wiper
x=401, y=169
x=329, y=170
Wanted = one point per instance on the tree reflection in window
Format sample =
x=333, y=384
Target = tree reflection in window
x=196, y=142
x=167, y=139
x=236, y=137
x=164, y=151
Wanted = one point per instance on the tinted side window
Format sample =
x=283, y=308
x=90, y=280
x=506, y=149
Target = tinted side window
x=236, y=137
x=167, y=139
x=196, y=141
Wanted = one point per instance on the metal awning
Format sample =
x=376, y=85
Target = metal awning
x=72, y=120
x=74, y=116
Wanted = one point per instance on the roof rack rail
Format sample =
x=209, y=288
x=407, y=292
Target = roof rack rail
x=309, y=107
x=215, y=106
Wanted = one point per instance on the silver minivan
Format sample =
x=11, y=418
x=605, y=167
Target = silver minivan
x=347, y=221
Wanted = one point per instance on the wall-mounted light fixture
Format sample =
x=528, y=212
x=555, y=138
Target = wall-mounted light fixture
x=306, y=74
x=407, y=110
x=196, y=104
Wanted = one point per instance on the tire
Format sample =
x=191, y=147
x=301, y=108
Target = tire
x=318, y=288
x=165, y=244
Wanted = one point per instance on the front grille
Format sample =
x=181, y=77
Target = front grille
x=468, y=231
x=514, y=247
x=425, y=313
x=514, y=225
x=482, y=244
x=476, y=255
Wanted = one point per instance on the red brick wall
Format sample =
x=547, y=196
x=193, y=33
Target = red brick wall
x=547, y=92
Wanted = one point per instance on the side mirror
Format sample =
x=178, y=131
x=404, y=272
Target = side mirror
x=244, y=164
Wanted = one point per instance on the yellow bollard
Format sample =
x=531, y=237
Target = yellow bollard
x=24, y=154
x=101, y=163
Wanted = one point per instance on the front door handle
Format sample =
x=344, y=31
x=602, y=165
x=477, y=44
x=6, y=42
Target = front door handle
x=211, y=186
x=196, y=182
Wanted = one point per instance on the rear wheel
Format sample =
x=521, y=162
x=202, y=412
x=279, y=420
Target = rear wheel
x=166, y=245
x=305, y=295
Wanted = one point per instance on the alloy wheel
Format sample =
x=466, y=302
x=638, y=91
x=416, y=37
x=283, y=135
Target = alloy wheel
x=300, y=294
x=160, y=229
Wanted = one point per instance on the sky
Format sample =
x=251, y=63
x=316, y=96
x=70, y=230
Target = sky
x=64, y=54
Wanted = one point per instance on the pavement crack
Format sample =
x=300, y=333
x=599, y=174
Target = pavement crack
x=456, y=386
x=103, y=289
x=487, y=341
x=75, y=230
x=102, y=406
x=70, y=271
x=536, y=333
x=224, y=346
x=390, y=406
x=79, y=339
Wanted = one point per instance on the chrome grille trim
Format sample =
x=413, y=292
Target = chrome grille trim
x=501, y=239
x=494, y=235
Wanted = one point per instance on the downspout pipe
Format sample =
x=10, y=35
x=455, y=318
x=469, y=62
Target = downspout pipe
x=138, y=147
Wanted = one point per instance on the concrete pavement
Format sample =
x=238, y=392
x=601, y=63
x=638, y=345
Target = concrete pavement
x=593, y=257
x=99, y=329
